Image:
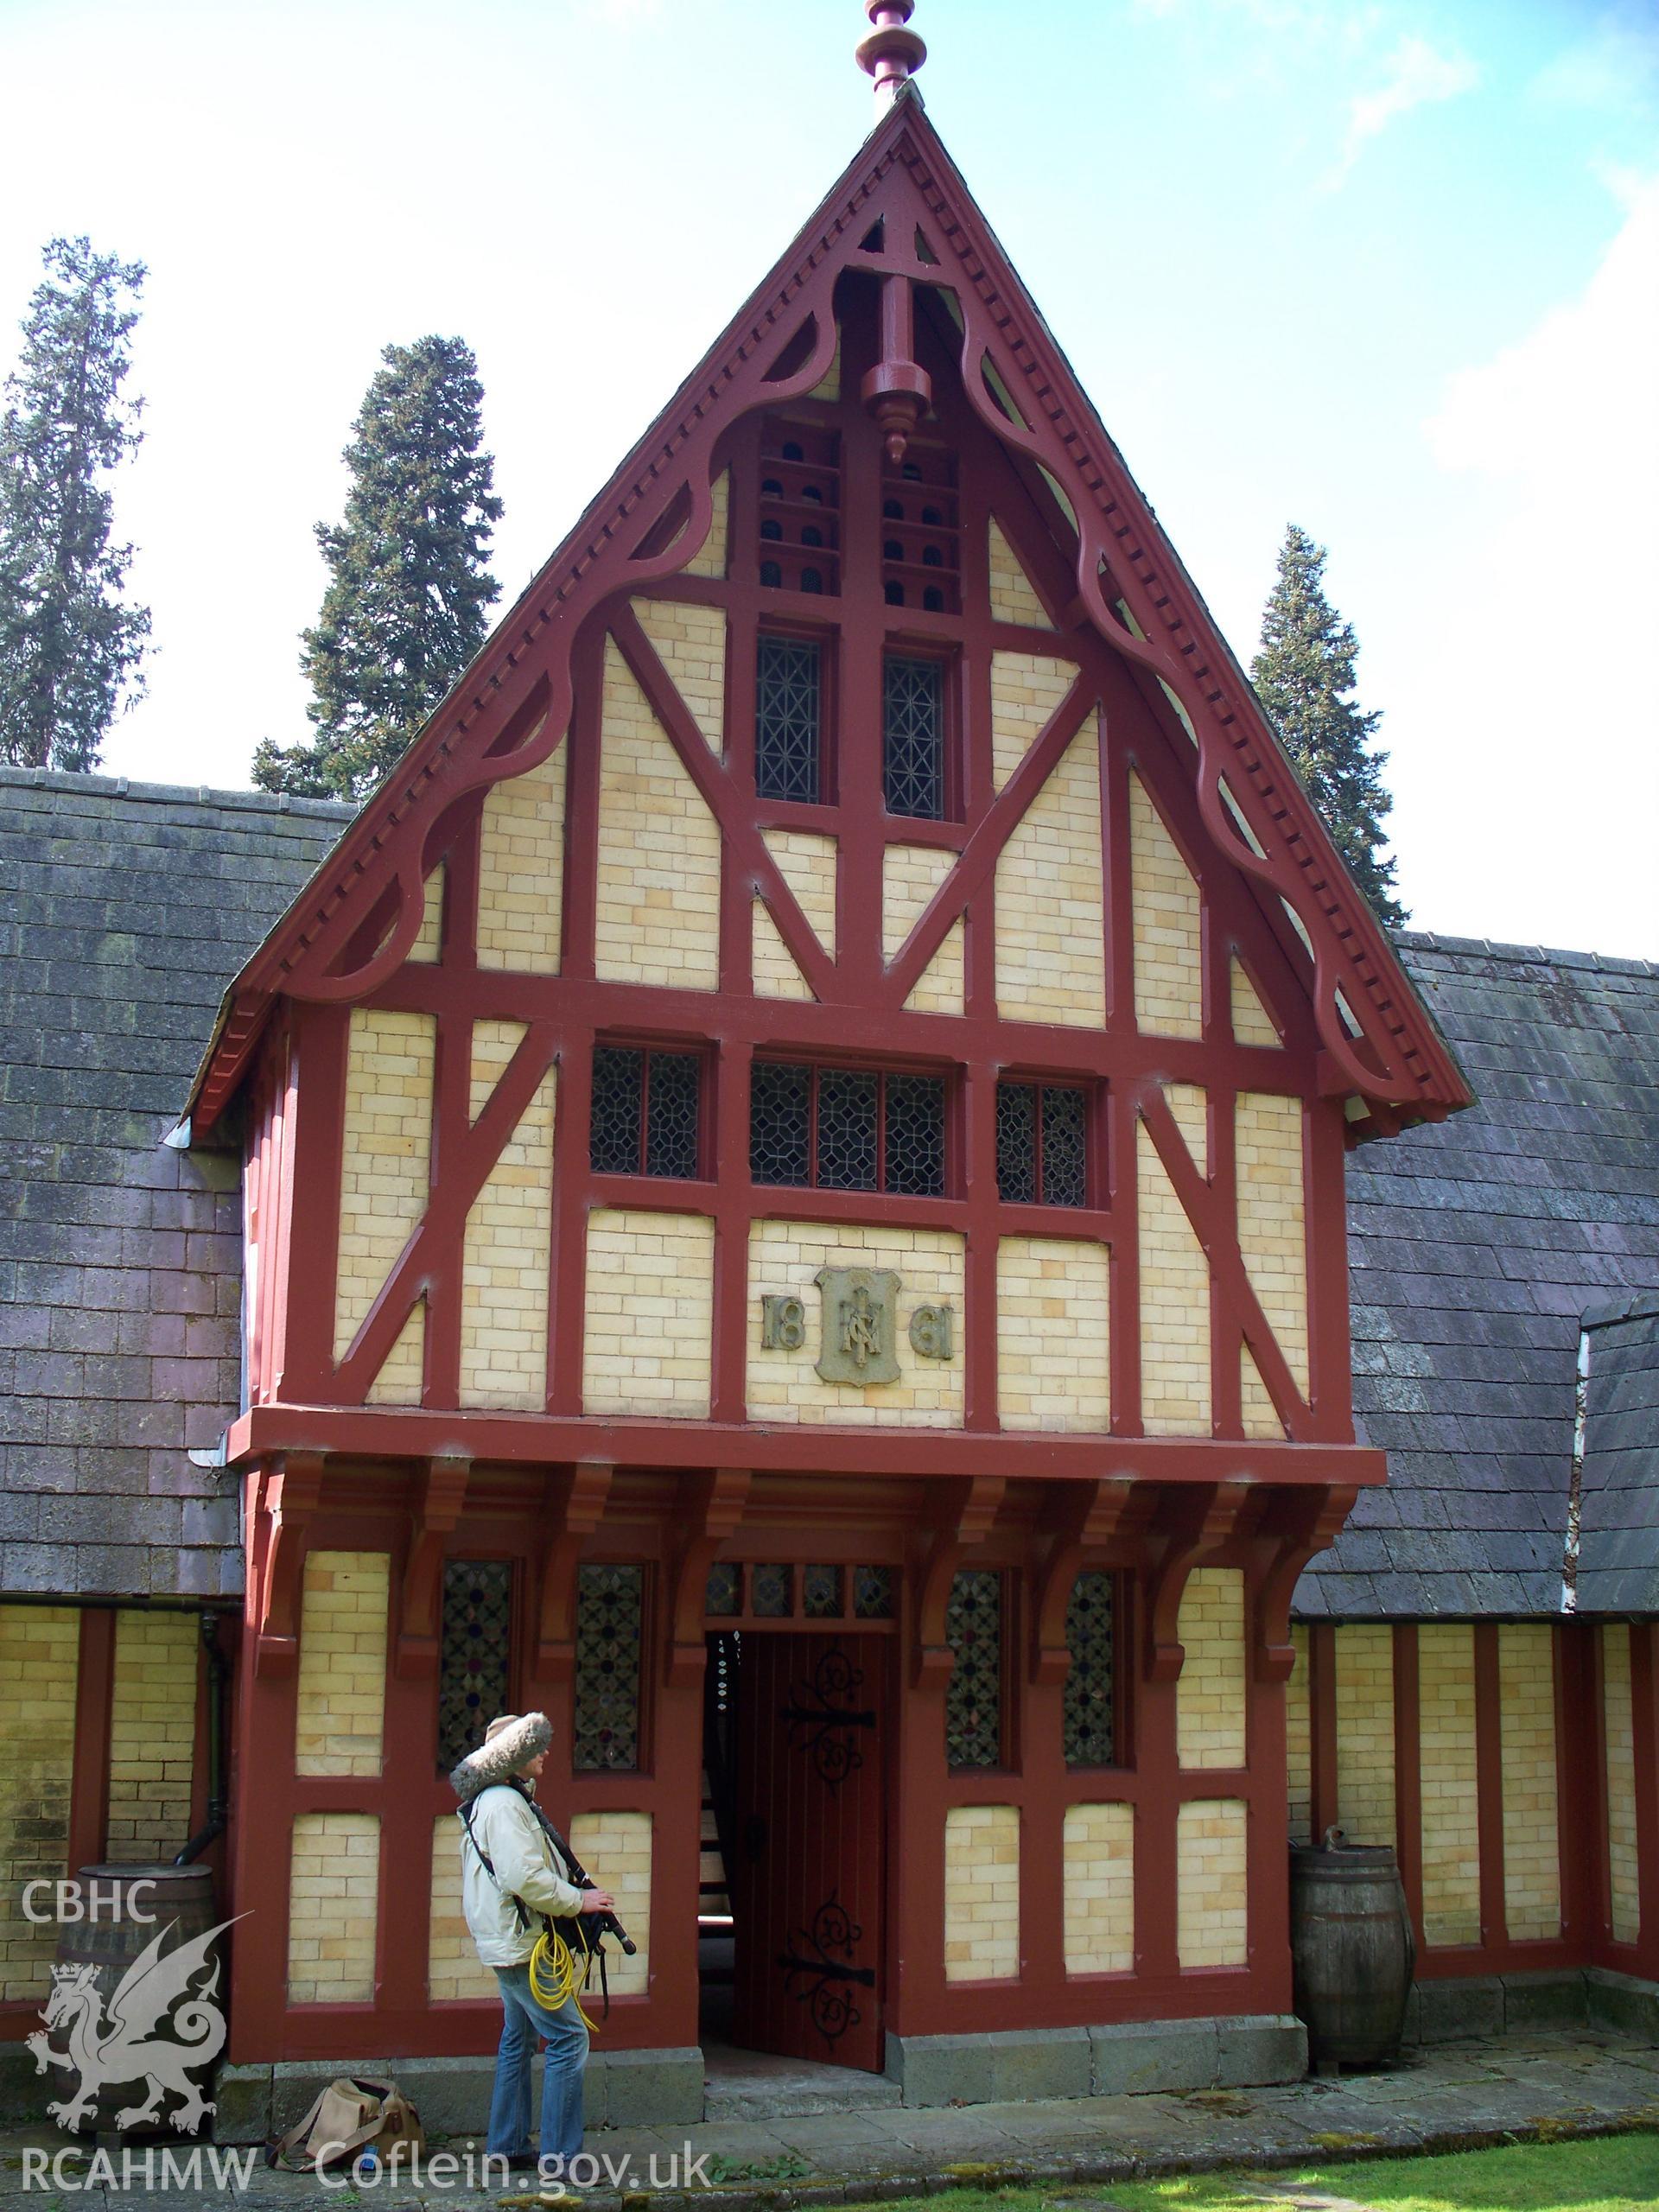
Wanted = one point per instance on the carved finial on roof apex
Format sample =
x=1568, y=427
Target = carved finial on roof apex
x=892, y=53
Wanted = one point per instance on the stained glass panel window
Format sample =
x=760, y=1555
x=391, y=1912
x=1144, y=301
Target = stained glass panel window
x=1065, y=1153
x=847, y=1100
x=780, y=1122
x=1016, y=1143
x=914, y=1127
x=873, y=1593
x=609, y=1631
x=475, y=1654
x=914, y=737
x=973, y=1697
x=618, y=1109
x=787, y=719
x=1042, y=1152
x=646, y=1112
x=821, y=1594
x=672, y=1090
x=772, y=1592
x=1090, y=1712
x=724, y=1589
x=848, y=1129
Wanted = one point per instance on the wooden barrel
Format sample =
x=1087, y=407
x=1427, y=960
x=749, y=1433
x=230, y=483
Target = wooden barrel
x=109, y=1944
x=1352, y=1953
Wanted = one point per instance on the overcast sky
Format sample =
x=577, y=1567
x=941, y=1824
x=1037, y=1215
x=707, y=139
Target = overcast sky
x=1387, y=268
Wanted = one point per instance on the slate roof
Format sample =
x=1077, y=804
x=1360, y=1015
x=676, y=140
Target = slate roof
x=1476, y=1246
x=124, y=910
x=1618, y=1530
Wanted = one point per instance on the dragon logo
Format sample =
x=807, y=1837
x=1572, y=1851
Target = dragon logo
x=140, y=2038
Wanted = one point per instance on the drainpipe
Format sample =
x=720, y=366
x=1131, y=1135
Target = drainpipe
x=219, y=1675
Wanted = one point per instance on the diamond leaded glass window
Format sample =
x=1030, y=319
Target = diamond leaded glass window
x=475, y=1654
x=1042, y=1152
x=973, y=1697
x=848, y=1129
x=609, y=1629
x=912, y=713
x=646, y=1112
x=914, y=1128
x=1089, y=1716
x=788, y=719
x=780, y=1122
x=847, y=1125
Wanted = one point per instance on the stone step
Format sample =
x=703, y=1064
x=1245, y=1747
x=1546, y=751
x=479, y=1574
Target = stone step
x=755, y=2085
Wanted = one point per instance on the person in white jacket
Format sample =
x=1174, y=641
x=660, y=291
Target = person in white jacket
x=513, y=1873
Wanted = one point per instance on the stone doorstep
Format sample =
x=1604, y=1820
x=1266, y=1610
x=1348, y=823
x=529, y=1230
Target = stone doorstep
x=1251, y=2051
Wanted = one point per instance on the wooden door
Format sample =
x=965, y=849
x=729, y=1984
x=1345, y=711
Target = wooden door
x=809, y=1830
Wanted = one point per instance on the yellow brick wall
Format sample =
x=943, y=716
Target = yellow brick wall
x=334, y=1890
x=342, y=1705
x=1212, y=1897
x=1445, y=1668
x=938, y=988
x=1271, y=1232
x=615, y=1848
x=1175, y=1396
x=1050, y=955
x=399, y=1381
x=710, y=561
x=1365, y=1761
x=981, y=1893
x=521, y=870
x=453, y=1969
x=1014, y=596
x=387, y=1141
x=1252, y=1023
x=691, y=642
x=429, y=938
x=772, y=964
x=1618, y=1726
x=651, y=1305
x=152, y=1733
x=1169, y=925
x=911, y=874
x=1256, y=1406
x=1210, y=1696
x=1189, y=1107
x=1299, y=1738
x=1027, y=690
x=1053, y=1334
x=785, y=1256
x=1532, y=1865
x=1097, y=1852
x=503, y=1277
x=807, y=864
x=657, y=902
x=40, y=1655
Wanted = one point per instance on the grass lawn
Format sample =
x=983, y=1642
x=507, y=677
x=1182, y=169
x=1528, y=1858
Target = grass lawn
x=1616, y=2173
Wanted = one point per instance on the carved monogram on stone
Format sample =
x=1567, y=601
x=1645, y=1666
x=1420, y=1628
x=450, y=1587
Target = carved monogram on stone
x=858, y=1343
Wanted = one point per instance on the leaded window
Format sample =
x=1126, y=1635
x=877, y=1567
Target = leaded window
x=821, y=1599
x=848, y=1129
x=788, y=719
x=1089, y=1718
x=610, y=1627
x=873, y=1593
x=771, y=1590
x=646, y=1112
x=973, y=1697
x=1042, y=1144
x=912, y=725
x=725, y=1589
x=475, y=1654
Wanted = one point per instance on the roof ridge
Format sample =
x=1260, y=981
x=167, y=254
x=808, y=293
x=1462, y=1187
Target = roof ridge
x=204, y=795
x=1497, y=948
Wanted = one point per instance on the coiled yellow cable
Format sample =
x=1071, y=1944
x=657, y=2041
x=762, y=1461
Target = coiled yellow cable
x=553, y=1974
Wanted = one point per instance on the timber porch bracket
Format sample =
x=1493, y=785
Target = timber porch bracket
x=1083, y=1517
x=715, y=1502
x=286, y=1496
x=1315, y=1521
x=960, y=1515
x=443, y=1495
x=1191, y=1523
x=572, y=1508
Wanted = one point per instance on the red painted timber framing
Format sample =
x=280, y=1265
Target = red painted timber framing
x=89, y=1793
x=1645, y=1709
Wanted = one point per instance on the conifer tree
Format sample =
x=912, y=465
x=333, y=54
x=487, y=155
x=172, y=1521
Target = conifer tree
x=71, y=648
x=1304, y=677
x=408, y=584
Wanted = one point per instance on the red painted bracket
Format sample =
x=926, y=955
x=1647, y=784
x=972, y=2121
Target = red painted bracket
x=961, y=1516
x=572, y=1510
x=715, y=1501
x=1190, y=1524
x=1084, y=1518
x=289, y=1493
x=443, y=1493
x=1315, y=1521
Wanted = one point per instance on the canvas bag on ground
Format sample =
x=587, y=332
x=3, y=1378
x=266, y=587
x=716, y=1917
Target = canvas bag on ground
x=352, y=2114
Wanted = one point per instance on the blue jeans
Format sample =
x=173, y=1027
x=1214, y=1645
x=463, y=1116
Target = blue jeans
x=567, y=2054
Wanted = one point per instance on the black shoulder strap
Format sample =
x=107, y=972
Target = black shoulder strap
x=466, y=1813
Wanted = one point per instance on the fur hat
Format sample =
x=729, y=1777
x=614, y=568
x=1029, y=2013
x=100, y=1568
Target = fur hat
x=510, y=1742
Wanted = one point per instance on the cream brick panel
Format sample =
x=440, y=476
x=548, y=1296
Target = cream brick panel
x=651, y=1306
x=521, y=871
x=939, y=988
x=711, y=560
x=341, y=1704
x=1027, y=690
x=1014, y=596
x=1445, y=1674
x=783, y=1385
x=807, y=864
x=1618, y=1730
x=1053, y=1334
x=1051, y=952
x=910, y=875
x=40, y=1664
x=1365, y=1803
x=385, y=1153
x=333, y=1892
x=615, y=1848
x=403, y=1371
x=1169, y=925
x=1209, y=1695
x=1252, y=1023
x=509, y=1231
x=1097, y=1853
x=1174, y=1308
x=1261, y=1416
x=772, y=963
x=152, y=1733
x=1298, y=1737
x=1189, y=1107
x=429, y=938
x=981, y=1893
x=453, y=1969
x=1212, y=1918
x=1532, y=1861
x=690, y=643
x=657, y=901
x=1271, y=1233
